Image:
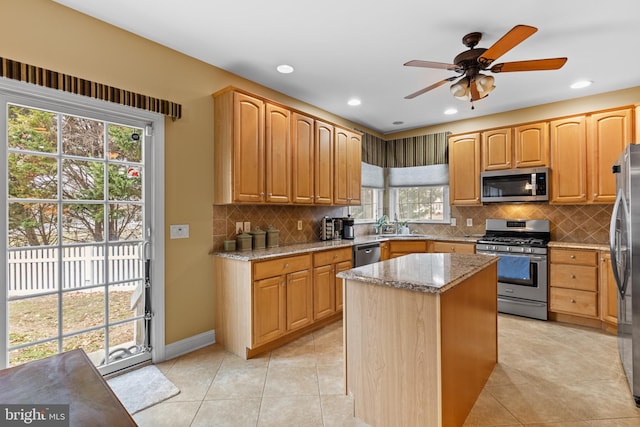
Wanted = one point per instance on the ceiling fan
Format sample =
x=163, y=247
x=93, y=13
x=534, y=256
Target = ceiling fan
x=472, y=84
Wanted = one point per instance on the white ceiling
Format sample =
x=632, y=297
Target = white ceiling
x=355, y=48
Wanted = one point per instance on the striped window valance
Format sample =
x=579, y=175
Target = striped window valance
x=52, y=79
x=421, y=150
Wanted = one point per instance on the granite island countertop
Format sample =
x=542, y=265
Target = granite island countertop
x=420, y=272
x=300, y=248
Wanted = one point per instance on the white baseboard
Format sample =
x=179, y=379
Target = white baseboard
x=190, y=344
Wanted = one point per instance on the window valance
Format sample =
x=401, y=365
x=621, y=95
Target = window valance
x=421, y=150
x=52, y=79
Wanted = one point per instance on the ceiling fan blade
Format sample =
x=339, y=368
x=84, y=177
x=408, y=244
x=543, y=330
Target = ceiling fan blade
x=533, y=65
x=475, y=95
x=431, y=64
x=428, y=88
x=513, y=38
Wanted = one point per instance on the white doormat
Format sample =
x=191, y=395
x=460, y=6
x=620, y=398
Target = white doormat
x=142, y=388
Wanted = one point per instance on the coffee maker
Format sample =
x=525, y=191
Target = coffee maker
x=348, y=231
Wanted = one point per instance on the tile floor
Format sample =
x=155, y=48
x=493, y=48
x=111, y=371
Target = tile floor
x=549, y=374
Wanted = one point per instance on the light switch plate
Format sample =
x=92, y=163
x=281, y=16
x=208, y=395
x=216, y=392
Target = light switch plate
x=247, y=226
x=299, y=224
x=180, y=231
x=454, y=222
x=239, y=226
x=469, y=222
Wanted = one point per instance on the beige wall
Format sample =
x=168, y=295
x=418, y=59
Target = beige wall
x=45, y=34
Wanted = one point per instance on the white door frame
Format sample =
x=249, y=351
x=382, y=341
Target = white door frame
x=83, y=106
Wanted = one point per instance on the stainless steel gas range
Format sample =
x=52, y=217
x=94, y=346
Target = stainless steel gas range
x=521, y=245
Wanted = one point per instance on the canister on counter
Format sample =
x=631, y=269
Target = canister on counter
x=243, y=242
x=259, y=237
x=273, y=237
x=229, y=245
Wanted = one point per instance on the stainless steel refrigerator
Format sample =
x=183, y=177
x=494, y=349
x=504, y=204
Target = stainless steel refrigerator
x=624, y=240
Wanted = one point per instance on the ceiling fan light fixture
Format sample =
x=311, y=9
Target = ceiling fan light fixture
x=484, y=84
x=460, y=89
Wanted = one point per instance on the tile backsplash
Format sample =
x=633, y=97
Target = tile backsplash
x=569, y=223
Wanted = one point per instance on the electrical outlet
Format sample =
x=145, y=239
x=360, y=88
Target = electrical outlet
x=247, y=226
x=179, y=231
x=239, y=227
x=454, y=222
x=299, y=224
x=469, y=222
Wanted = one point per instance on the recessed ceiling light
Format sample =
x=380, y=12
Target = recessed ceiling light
x=580, y=84
x=450, y=111
x=354, y=102
x=284, y=69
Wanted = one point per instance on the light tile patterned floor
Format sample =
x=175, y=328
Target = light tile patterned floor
x=549, y=374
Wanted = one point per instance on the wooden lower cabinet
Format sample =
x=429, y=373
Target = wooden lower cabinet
x=299, y=299
x=573, y=282
x=384, y=251
x=608, y=291
x=327, y=289
x=399, y=248
x=436, y=246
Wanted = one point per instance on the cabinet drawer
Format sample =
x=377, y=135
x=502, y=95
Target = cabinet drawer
x=331, y=257
x=581, y=303
x=412, y=246
x=574, y=256
x=264, y=269
x=451, y=247
x=574, y=276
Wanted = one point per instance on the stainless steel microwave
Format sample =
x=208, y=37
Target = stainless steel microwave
x=515, y=185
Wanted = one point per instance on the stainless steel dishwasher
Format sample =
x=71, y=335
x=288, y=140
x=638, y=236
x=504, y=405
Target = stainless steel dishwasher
x=366, y=253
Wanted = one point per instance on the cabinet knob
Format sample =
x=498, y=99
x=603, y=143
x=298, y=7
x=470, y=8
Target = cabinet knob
x=573, y=276
x=281, y=283
x=270, y=194
x=335, y=256
x=290, y=280
x=572, y=257
x=572, y=300
x=453, y=249
x=286, y=265
x=261, y=194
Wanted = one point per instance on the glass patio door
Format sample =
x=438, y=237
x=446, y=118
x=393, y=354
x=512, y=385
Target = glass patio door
x=76, y=233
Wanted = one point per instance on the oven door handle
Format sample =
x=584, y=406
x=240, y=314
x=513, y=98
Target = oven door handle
x=540, y=258
x=528, y=303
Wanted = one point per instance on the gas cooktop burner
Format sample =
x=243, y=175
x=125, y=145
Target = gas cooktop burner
x=514, y=240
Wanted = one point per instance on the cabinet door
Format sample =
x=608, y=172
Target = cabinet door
x=269, y=309
x=532, y=145
x=452, y=247
x=299, y=299
x=302, y=137
x=354, y=168
x=323, y=163
x=248, y=153
x=496, y=149
x=384, y=251
x=464, y=169
x=609, y=133
x=608, y=291
x=568, y=160
x=341, y=266
x=278, y=154
x=341, y=169
x=324, y=299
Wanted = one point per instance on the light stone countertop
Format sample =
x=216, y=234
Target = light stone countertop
x=577, y=245
x=300, y=248
x=433, y=273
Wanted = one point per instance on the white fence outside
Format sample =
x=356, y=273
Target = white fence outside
x=35, y=270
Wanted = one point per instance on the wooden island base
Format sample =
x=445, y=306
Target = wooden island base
x=419, y=358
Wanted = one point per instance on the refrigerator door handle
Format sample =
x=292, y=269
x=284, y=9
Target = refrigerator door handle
x=614, y=243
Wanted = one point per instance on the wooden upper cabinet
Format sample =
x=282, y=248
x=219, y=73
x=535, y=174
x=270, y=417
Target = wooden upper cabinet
x=531, y=145
x=248, y=143
x=323, y=163
x=569, y=160
x=609, y=133
x=464, y=169
x=302, y=137
x=347, y=156
x=278, y=154
x=496, y=149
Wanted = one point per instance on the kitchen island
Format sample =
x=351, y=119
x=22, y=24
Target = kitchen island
x=420, y=335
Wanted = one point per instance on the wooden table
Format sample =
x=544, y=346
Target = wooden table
x=67, y=378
